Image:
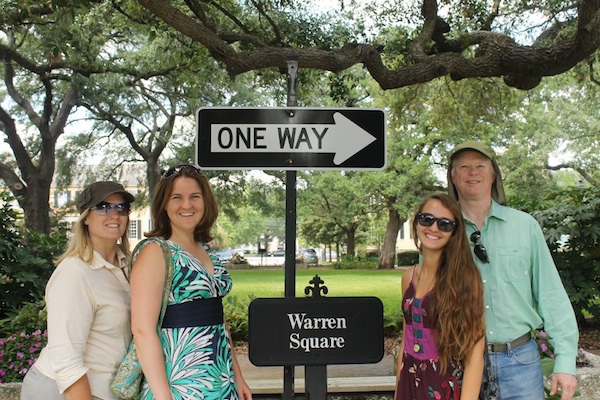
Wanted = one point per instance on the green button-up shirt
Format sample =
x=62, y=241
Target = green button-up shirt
x=522, y=288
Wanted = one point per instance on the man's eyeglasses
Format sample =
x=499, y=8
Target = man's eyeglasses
x=480, y=250
x=178, y=168
x=444, y=224
x=104, y=208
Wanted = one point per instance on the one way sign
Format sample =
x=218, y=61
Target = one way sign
x=290, y=138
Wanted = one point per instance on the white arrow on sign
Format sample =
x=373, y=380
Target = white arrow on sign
x=343, y=137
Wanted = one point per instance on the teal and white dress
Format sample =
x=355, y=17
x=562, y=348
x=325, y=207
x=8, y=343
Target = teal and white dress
x=198, y=359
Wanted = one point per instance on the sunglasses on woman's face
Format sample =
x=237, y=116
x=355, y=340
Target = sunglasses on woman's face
x=479, y=249
x=444, y=224
x=105, y=208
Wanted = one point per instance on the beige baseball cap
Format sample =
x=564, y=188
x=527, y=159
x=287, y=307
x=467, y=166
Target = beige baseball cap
x=98, y=191
x=472, y=145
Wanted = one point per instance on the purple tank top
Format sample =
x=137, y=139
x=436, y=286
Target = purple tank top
x=420, y=335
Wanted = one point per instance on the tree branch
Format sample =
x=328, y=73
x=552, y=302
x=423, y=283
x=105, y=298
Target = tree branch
x=584, y=174
x=496, y=55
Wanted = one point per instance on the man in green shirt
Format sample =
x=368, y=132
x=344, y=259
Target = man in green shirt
x=522, y=288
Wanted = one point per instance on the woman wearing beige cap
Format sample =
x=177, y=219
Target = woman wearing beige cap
x=87, y=299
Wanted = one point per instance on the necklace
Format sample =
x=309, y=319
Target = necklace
x=418, y=331
x=429, y=285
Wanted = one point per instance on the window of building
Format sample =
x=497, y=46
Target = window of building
x=61, y=198
x=135, y=226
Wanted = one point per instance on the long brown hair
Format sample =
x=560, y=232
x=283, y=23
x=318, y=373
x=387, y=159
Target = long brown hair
x=162, y=192
x=457, y=300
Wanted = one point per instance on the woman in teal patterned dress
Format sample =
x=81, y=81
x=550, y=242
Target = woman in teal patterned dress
x=190, y=356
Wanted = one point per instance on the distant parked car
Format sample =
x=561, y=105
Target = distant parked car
x=309, y=256
x=224, y=256
x=278, y=253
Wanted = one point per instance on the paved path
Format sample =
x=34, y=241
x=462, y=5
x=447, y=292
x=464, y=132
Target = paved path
x=375, y=377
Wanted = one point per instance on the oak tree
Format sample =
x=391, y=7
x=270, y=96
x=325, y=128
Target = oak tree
x=520, y=41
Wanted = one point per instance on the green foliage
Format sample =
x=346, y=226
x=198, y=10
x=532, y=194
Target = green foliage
x=236, y=316
x=327, y=206
x=355, y=262
x=24, y=267
x=238, y=259
x=392, y=323
x=407, y=258
x=22, y=336
x=547, y=355
x=18, y=352
x=28, y=318
x=572, y=231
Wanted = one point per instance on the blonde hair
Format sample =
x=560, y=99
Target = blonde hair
x=80, y=243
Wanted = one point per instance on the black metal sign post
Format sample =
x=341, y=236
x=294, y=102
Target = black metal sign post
x=292, y=138
x=290, y=219
x=315, y=381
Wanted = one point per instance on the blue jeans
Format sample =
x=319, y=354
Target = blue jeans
x=518, y=373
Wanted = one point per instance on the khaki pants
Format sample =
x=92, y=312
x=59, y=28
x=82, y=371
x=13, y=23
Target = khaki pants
x=37, y=386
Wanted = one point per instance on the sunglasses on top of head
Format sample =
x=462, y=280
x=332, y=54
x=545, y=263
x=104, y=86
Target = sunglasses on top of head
x=104, y=208
x=174, y=170
x=444, y=224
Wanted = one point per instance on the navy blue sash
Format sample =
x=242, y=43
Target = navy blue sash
x=198, y=312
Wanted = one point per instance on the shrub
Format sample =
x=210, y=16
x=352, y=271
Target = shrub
x=572, y=231
x=392, y=323
x=547, y=352
x=547, y=355
x=25, y=266
x=357, y=262
x=30, y=317
x=18, y=352
x=407, y=258
x=238, y=259
x=236, y=315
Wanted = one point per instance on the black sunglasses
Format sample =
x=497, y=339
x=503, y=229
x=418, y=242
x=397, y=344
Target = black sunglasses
x=479, y=249
x=444, y=224
x=178, y=168
x=104, y=208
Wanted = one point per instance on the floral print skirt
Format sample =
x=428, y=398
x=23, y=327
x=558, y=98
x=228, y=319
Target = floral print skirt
x=421, y=379
x=198, y=364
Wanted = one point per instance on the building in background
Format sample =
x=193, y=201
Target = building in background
x=132, y=176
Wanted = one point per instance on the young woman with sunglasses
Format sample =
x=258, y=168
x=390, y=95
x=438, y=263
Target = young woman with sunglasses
x=87, y=300
x=442, y=304
x=190, y=356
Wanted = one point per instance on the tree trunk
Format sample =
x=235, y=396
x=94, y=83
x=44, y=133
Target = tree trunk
x=350, y=240
x=152, y=176
x=36, y=208
x=388, y=253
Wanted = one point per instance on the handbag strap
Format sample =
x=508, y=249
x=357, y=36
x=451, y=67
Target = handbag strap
x=168, y=270
x=490, y=391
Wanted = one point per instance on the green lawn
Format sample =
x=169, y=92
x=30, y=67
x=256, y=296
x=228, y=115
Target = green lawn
x=384, y=284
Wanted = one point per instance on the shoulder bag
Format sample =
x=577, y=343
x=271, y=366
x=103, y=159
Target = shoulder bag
x=488, y=389
x=127, y=382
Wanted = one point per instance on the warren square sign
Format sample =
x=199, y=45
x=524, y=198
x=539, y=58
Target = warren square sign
x=290, y=138
x=315, y=331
